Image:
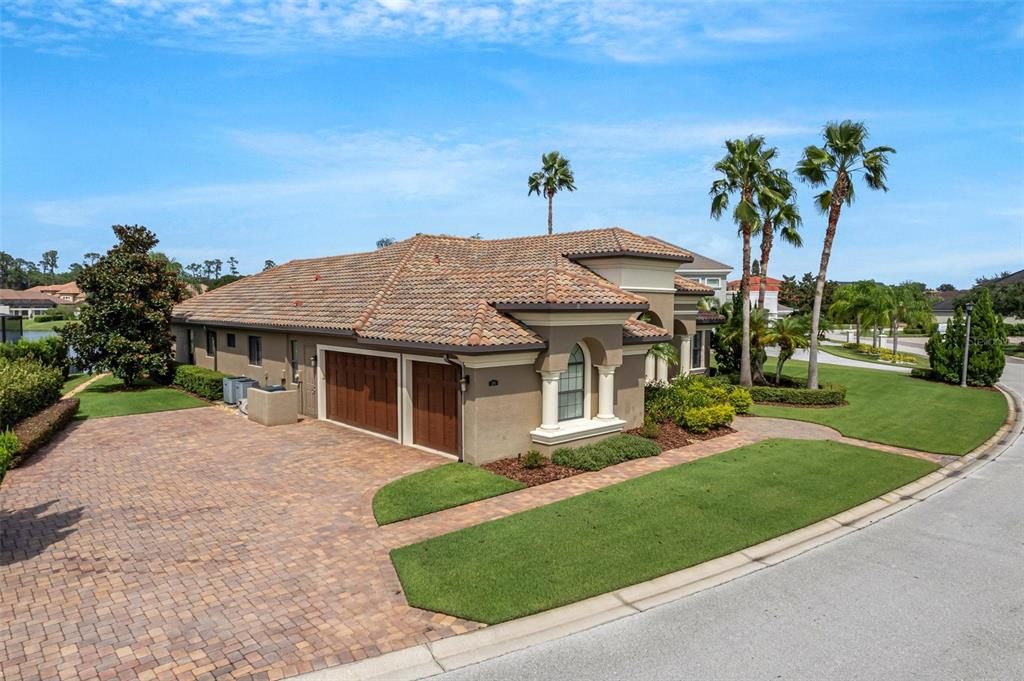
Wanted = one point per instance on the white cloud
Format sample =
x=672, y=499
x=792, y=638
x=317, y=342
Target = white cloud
x=623, y=30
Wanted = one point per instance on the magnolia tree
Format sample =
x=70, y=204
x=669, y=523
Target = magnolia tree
x=125, y=327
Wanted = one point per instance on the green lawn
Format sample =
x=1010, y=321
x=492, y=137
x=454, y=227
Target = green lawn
x=108, y=397
x=896, y=409
x=840, y=351
x=436, y=489
x=643, y=528
x=74, y=380
x=33, y=325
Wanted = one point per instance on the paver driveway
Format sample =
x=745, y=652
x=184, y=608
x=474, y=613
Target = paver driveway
x=195, y=544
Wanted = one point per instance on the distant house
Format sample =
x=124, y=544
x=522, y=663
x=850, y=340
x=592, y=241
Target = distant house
x=771, y=295
x=66, y=294
x=25, y=303
x=942, y=306
x=711, y=273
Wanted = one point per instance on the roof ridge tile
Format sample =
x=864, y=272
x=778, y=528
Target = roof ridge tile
x=385, y=290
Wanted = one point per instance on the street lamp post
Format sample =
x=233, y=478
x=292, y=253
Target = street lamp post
x=967, y=346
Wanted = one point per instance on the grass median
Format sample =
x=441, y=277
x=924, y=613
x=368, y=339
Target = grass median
x=436, y=489
x=643, y=528
x=895, y=409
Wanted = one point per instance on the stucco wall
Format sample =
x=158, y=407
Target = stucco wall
x=499, y=418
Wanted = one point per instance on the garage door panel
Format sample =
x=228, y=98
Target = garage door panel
x=362, y=391
x=435, y=420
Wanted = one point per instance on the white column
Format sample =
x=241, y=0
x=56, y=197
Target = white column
x=605, y=392
x=549, y=399
x=661, y=369
x=686, y=356
x=649, y=367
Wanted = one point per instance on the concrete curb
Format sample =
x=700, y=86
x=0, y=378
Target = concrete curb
x=490, y=642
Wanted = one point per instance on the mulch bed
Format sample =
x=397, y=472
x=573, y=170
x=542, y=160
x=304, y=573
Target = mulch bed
x=671, y=435
x=513, y=469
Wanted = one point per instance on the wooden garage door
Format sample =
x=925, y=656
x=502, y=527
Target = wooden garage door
x=362, y=391
x=435, y=406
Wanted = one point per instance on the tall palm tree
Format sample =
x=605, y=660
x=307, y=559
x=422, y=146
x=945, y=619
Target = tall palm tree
x=843, y=155
x=777, y=202
x=909, y=304
x=789, y=334
x=879, y=310
x=850, y=303
x=745, y=171
x=554, y=176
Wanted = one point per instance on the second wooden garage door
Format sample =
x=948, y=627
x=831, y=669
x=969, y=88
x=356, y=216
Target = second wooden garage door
x=362, y=391
x=435, y=406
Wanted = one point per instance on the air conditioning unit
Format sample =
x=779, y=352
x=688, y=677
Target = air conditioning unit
x=231, y=389
x=242, y=386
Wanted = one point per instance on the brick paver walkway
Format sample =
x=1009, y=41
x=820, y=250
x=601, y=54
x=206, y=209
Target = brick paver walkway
x=195, y=544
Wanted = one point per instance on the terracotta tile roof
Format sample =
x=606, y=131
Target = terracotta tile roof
x=637, y=331
x=12, y=296
x=755, y=283
x=708, y=317
x=684, y=285
x=435, y=290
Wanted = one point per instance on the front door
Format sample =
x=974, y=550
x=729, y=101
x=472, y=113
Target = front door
x=435, y=406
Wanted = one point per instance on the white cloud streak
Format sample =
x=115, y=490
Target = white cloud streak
x=621, y=30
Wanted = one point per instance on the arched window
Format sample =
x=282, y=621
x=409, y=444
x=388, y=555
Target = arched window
x=571, y=385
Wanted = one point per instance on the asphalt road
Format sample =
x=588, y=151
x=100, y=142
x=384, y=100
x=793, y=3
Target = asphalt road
x=934, y=592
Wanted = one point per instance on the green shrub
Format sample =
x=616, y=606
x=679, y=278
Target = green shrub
x=607, y=452
x=662, y=402
x=650, y=429
x=1014, y=329
x=703, y=419
x=36, y=431
x=829, y=394
x=8, y=446
x=988, y=336
x=51, y=351
x=740, y=400
x=926, y=374
x=26, y=388
x=533, y=459
x=205, y=383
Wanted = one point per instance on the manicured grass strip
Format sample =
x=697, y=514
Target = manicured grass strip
x=74, y=380
x=895, y=409
x=108, y=397
x=840, y=351
x=643, y=528
x=33, y=325
x=436, y=489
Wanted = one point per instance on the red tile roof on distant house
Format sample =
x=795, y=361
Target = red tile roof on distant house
x=435, y=290
x=709, y=317
x=12, y=297
x=755, y=284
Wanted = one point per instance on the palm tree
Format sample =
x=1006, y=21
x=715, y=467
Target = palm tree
x=777, y=202
x=745, y=172
x=879, y=309
x=850, y=303
x=909, y=304
x=789, y=334
x=554, y=176
x=842, y=156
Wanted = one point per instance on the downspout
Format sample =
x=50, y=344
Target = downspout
x=463, y=384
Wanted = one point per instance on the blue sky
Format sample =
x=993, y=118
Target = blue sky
x=297, y=129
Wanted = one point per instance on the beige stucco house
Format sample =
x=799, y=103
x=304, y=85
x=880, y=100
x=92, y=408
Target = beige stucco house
x=479, y=349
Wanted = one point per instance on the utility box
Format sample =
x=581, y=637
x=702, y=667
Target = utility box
x=242, y=385
x=231, y=389
x=273, y=407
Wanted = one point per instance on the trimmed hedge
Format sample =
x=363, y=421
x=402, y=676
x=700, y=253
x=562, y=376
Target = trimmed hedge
x=687, y=395
x=26, y=388
x=607, y=452
x=36, y=431
x=205, y=383
x=8, y=446
x=830, y=394
x=51, y=351
x=926, y=374
x=703, y=419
